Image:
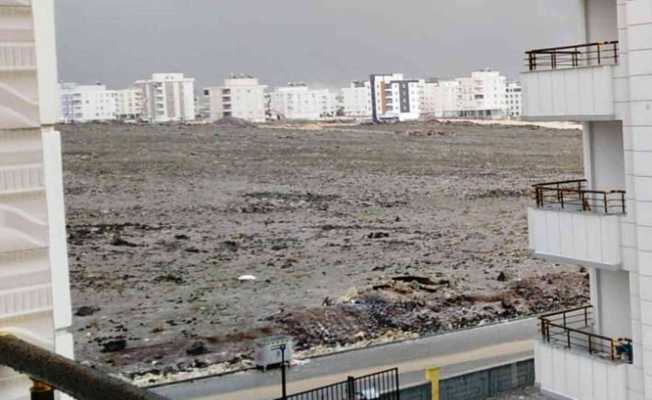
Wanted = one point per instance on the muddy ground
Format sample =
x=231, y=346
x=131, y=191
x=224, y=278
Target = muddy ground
x=355, y=235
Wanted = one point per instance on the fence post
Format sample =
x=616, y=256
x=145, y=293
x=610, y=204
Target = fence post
x=586, y=317
x=398, y=385
x=606, y=206
x=350, y=385
x=590, y=345
x=599, y=55
x=611, y=350
x=432, y=375
x=568, y=338
x=615, y=53
x=561, y=197
x=622, y=201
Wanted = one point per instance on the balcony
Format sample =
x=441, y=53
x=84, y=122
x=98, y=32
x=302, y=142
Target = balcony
x=572, y=361
x=571, y=224
x=572, y=83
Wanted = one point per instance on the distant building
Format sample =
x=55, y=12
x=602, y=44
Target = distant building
x=168, y=98
x=441, y=99
x=483, y=95
x=514, y=100
x=84, y=103
x=129, y=104
x=394, y=98
x=296, y=102
x=356, y=99
x=242, y=96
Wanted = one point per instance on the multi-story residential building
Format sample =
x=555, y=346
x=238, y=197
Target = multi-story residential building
x=603, y=221
x=34, y=283
x=441, y=99
x=242, y=96
x=168, y=98
x=356, y=100
x=483, y=94
x=85, y=103
x=129, y=104
x=513, y=100
x=395, y=98
x=297, y=101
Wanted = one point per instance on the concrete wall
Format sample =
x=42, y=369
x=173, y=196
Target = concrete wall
x=574, y=94
x=612, y=303
x=601, y=20
x=587, y=239
x=477, y=385
x=607, y=159
x=579, y=376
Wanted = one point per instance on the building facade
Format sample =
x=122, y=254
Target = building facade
x=129, y=104
x=85, y=103
x=242, y=96
x=297, y=101
x=356, y=100
x=34, y=283
x=168, y=98
x=483, y=95
x=513, y=100
x=603, y=221
x=441, y=99
x=395, y=98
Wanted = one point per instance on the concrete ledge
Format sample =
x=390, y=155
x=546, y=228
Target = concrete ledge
x=574, y=261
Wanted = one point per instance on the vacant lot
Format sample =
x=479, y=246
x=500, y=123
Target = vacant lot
x=354, y=234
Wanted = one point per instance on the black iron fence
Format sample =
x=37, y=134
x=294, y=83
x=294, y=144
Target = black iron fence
x=572, y=195
x=382, y=385
x=573, y=329
x=581, y=55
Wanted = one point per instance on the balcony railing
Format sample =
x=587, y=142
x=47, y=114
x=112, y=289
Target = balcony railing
x=572, y=195
x=581, y=55
x=573, y=330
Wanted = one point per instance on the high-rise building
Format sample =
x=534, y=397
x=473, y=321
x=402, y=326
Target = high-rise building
x=129, y=104
x=297, y=101
x=356, y=100
x=441, y=99
x=34, y=283
x=242, y=96
x=168, y=98
x=84, y=103
x=604, y=220
x=483, y=94
x=395, y=98
x=513, y=100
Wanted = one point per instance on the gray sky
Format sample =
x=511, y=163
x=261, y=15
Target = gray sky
x=327, y=42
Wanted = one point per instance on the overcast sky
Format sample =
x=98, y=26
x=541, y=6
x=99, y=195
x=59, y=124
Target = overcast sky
x=326, y=42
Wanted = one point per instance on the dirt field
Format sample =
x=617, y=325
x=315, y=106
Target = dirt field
x=353, y=234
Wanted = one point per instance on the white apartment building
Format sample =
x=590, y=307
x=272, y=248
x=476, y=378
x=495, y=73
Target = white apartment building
x=297, y=101
x=356, y=100
x=603, y=222
x=34, y=284
x=85, y=103
x=483, y=95
x=513, y=100
x=168, y=98
x=129, y=104
x=242, y=96
x=442, y=99
x=395, y=98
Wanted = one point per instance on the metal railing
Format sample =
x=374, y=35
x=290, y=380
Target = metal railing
x=51, y=371
x=573, y=329
x=581, y=55
x=380, y=385
x=572, y=195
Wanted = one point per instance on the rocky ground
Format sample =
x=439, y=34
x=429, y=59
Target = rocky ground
x=354, y=235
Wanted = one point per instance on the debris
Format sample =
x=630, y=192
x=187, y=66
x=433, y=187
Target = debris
x=117, y=240
x=501, y=277
x=113, y=346
x=85, y=311
x=197, y=349
x=378, y=235
x=244, y=278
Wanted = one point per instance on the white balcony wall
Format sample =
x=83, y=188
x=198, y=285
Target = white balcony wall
x=577, y=375
x=573, y=94
x=587, y=239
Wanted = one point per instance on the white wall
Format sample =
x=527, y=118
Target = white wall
x=577, y=375
x=607, y=157
x=612, y=303
x=573, y=94
x=601, y=20
x=583, y=238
